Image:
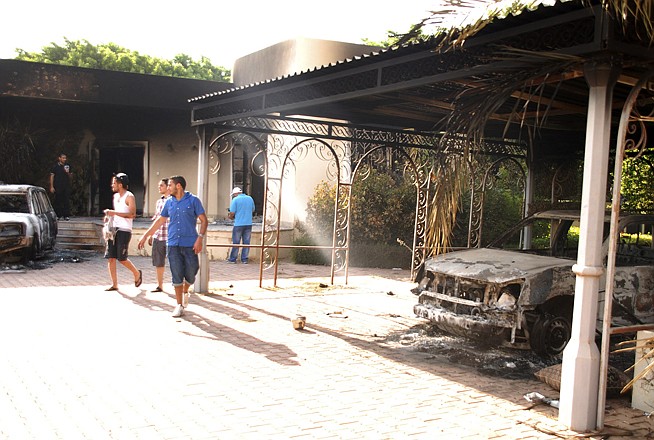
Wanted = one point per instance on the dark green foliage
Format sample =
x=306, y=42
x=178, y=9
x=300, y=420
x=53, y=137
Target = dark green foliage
x=382, y=211
x=503, y=207
x=380, y=255
x=307, y=256
x=29, y=155
x=637, y=187
x=18, y=151
x=81, y=53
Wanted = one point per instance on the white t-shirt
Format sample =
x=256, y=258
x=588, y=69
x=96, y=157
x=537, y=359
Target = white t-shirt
x=120, y=205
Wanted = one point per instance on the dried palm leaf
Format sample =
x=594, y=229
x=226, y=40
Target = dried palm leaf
x=640, y=12
x=647, y=345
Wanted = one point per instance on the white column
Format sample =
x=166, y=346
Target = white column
x=202, y=280
x=580, y=372
x=529, y=198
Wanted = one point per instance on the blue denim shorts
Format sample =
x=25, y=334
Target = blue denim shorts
x=184, y=264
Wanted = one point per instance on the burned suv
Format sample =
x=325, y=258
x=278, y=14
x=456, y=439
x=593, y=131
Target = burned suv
x=521, y=296
x=28, y=224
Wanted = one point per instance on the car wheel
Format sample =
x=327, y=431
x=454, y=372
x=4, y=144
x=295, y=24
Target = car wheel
x=550, y=334
x=30, y=253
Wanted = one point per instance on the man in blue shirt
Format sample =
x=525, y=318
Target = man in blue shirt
x=182, y=210
x=240, y=210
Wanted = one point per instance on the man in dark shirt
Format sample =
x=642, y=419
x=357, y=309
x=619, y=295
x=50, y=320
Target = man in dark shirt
x=60, y=186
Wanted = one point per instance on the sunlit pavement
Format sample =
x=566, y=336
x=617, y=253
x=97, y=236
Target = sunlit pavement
x=79, y=362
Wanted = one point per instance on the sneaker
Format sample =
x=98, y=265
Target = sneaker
x=185, y=297
x=67, y=218
x=179, y=311
x=230, y=261
x=244, y=262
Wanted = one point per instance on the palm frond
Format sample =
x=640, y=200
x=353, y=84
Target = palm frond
x=640, y=12
x=522, y=75
x=647, y=345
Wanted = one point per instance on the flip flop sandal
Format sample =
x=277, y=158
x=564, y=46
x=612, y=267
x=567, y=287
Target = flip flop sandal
x=138, y=282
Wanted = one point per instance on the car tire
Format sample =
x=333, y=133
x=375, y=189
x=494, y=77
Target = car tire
x=30, y=253
x=550, y=334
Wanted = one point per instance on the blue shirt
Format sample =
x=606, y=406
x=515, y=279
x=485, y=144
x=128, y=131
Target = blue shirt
x=183, y=216
x=242, y=206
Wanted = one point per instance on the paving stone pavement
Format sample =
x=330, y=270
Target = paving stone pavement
x=81, y=363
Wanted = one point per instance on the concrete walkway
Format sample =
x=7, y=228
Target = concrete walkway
x=81, y=363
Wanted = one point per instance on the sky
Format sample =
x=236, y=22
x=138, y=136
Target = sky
x=219, y=30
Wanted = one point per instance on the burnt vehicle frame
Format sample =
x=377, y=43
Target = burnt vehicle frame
x=28, y=222
x=523, y=297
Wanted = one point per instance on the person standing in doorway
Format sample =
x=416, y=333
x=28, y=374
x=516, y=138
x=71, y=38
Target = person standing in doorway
x=160, y=237
x=182, y=210
x=122, y=217
x=60, y=184
x=240, y=210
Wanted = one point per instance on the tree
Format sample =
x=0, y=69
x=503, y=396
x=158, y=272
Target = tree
x=110, y=56
x=637, y=184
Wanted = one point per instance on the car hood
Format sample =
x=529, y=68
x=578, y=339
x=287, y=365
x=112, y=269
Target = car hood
x=493, y=265
x=14, y=217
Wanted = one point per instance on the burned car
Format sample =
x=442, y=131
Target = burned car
x=521, y=295
x=28, y=223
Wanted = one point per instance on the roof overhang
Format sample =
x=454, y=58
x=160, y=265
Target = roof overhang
x=538, y=55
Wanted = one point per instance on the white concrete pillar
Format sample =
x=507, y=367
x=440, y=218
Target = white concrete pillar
x=580, y=372
x=202, y=280
x=529, y=198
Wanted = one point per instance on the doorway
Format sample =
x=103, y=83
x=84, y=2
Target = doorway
x=120, y=157
x=243, y=175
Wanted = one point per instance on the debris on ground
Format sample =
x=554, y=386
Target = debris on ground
x=538, y=398
x=507, y=363
x=47, y=260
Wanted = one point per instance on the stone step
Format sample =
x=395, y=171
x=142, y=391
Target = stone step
x=86, y=233
x=80, y=234
x=80, y=246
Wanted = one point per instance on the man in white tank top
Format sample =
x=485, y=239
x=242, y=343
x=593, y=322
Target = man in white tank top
x=122, y=215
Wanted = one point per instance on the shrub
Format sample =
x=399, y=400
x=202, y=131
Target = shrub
x=307, y=256
x=382, y=211
x=379, y=255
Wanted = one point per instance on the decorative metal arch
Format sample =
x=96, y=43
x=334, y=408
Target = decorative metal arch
x=631, y=123
x=280, y=144
x=335, y=155
x=419, y=173
x=478, y=190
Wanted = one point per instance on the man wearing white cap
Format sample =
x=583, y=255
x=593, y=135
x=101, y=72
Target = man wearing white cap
x=240, y=210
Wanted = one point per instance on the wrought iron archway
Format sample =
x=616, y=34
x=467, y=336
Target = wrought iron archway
x=632, y=135
x=280, y=144
x=479, y=187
